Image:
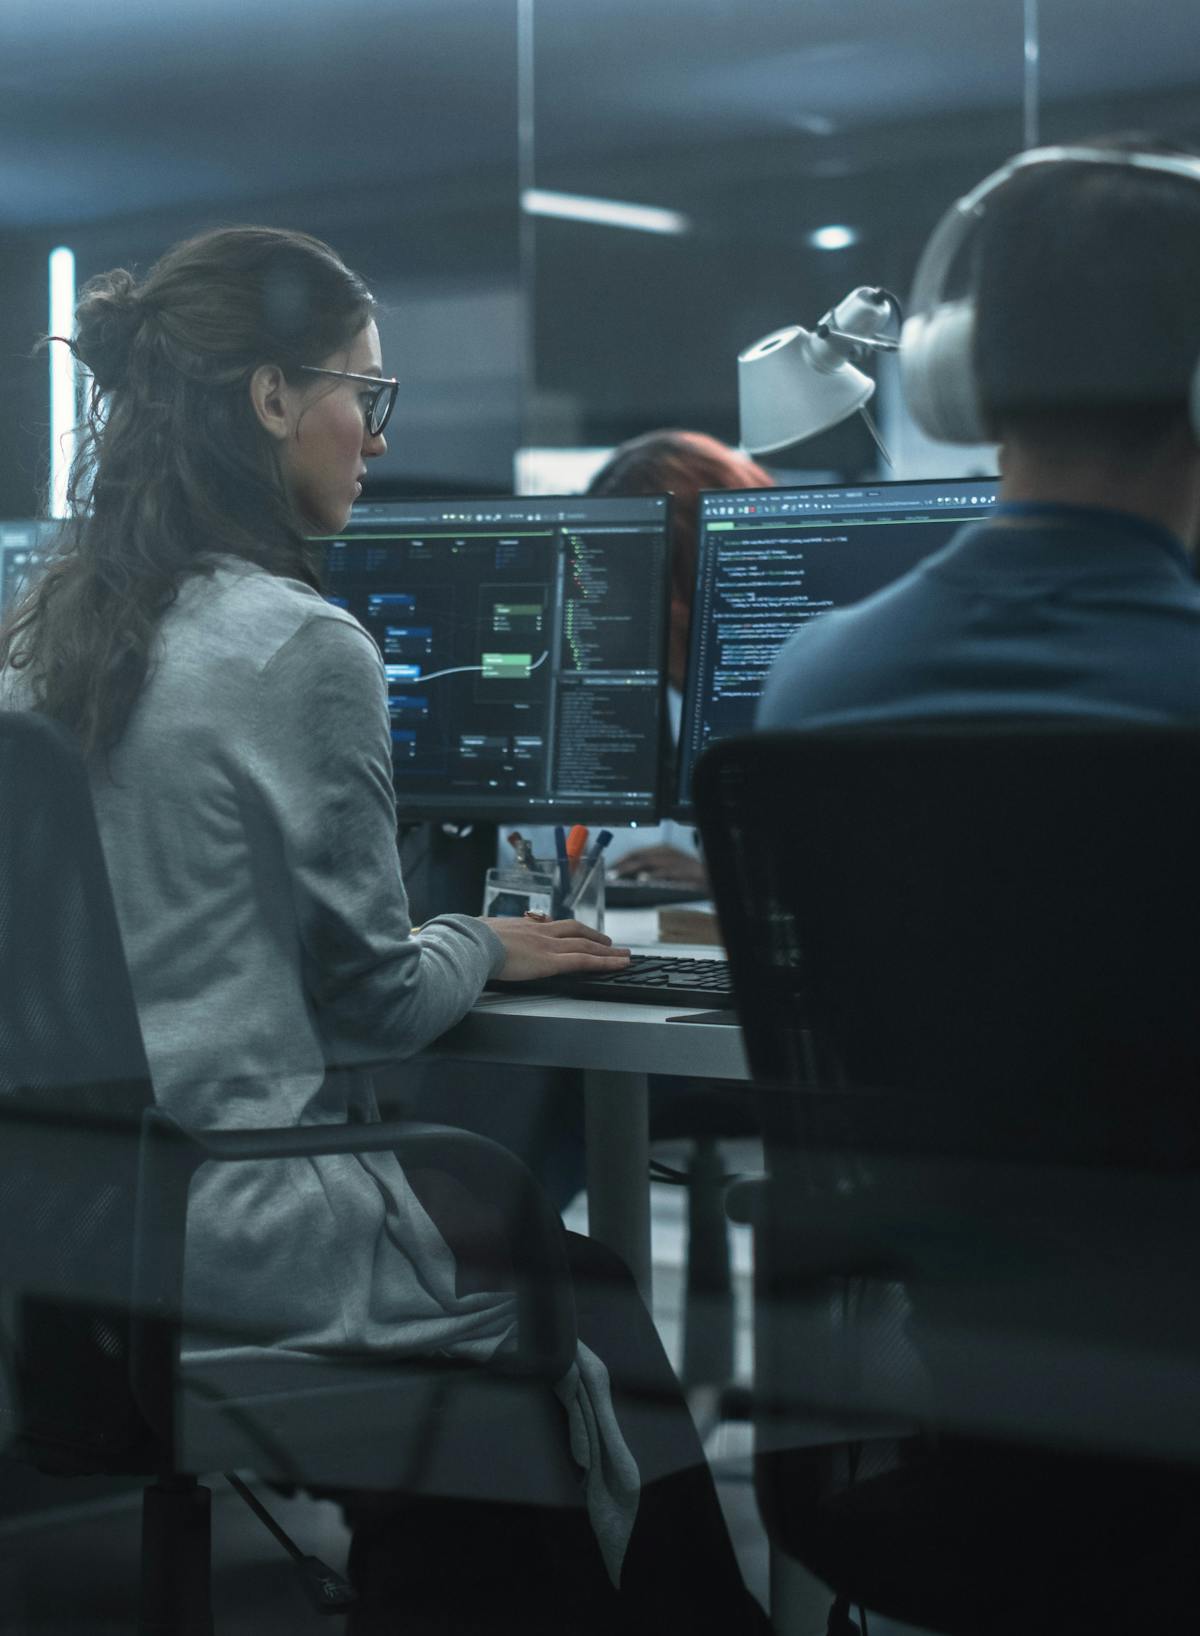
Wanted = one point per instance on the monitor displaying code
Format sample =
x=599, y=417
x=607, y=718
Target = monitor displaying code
x=772, y=559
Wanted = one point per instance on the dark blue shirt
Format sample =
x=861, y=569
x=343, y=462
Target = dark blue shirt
x=1039, y=609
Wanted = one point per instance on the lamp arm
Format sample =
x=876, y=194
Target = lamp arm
x=866, y=308
x=872, y=343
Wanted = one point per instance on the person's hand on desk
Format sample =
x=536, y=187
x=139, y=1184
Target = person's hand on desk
x=663, y=863
x=537, y=947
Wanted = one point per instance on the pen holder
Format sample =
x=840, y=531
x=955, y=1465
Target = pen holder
x=513, y=891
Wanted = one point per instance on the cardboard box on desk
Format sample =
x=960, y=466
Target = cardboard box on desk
x=689, y=923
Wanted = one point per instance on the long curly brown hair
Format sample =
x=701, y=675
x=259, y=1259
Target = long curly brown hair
x=173, y=468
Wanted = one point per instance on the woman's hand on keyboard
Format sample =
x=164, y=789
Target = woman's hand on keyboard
x=549, y=948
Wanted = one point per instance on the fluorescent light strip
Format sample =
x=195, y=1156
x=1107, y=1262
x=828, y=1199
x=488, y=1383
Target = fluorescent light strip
x=576, y=207
x=64, y=404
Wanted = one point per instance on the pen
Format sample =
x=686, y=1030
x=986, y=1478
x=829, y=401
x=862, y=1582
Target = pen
x=601, y=841
x=564, y=867
x=594, y=863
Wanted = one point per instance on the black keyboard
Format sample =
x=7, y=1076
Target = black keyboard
x=648, y=979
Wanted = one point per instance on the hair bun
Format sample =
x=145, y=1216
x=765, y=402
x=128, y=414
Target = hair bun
x=109, y=315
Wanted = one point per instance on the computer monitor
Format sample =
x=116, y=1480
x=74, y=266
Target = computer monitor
x=524, y=642
x=770, y=559
x=23, y=547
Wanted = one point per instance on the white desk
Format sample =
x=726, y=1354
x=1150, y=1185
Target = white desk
x=616, y=1046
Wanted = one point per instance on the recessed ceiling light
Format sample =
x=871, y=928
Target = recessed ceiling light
x=814, y=124
x=833, y=237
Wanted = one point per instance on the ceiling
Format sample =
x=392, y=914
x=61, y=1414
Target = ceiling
x=112, y=107
x=391, y=128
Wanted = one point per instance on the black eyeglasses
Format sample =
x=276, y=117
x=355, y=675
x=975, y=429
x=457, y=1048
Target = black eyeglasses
x=380, y=403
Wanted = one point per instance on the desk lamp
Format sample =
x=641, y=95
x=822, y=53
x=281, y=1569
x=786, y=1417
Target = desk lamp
x=796, y=382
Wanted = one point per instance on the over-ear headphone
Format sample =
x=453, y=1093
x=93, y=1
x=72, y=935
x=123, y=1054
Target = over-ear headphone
x=937, y=343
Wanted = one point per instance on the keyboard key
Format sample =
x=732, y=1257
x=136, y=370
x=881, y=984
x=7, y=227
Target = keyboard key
x=648, y=979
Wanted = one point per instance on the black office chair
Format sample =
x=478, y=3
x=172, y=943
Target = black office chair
x=93, y=1192
x=963, y=959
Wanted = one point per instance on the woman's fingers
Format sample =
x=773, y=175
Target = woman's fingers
x=575, y=928
x=577, y=945
x=534, y=948
x=565, y=928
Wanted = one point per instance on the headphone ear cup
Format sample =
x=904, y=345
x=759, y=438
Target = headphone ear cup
x=937, y=369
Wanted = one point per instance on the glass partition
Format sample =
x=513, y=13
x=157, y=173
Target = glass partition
x=802, y=150
x=786, y=153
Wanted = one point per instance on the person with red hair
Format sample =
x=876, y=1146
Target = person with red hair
x=682, y=464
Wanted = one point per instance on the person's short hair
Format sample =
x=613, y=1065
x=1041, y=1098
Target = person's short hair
x=681, y=464
x=1087, y=298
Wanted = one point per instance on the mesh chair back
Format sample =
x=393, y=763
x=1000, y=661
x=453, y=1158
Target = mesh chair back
x=73, y=1084
x=998, y=916
x=962, y=960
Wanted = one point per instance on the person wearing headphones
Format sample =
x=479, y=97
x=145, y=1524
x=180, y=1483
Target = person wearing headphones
x=1073, y=340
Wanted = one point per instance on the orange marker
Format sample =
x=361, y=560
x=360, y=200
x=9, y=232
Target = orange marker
x=576, y=841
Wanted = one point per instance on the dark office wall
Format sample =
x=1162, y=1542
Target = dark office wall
x=433, y=255
x=634, y=330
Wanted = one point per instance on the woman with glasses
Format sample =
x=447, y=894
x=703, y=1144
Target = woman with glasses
x=237, y=732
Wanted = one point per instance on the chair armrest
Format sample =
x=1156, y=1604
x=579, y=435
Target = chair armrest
x=297, y=1141
x=171, y=1154
x=547, y=1331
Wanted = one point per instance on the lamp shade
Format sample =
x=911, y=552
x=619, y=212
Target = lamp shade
x=793, y=384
